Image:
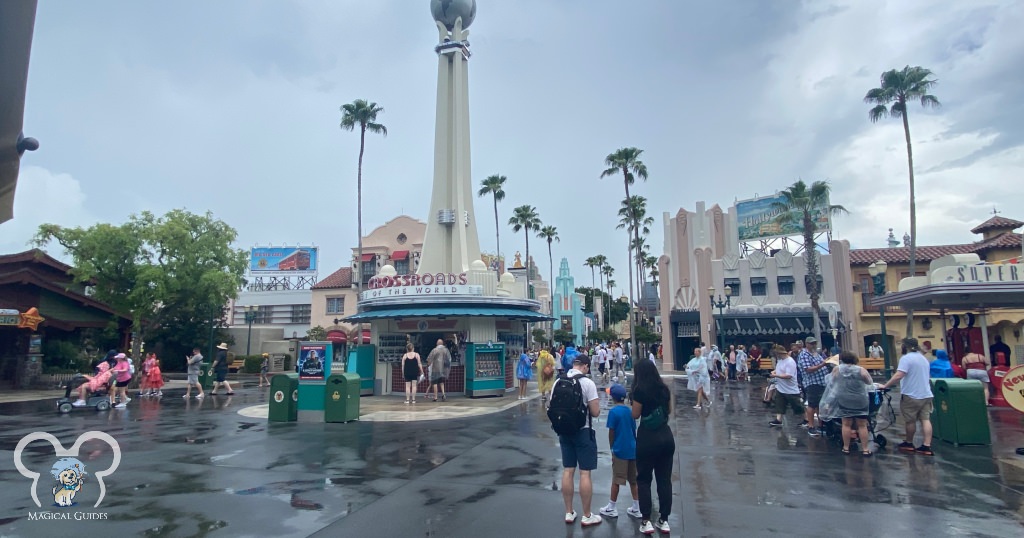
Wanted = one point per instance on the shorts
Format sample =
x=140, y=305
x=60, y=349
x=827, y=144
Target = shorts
x=791, y=400
x=600, y=367
x=814, y=393
x=579, y=450
x=193, y=379
x=857, y=417
x=123, y=383
x=439, y=380
x=623, y=471
x=980, y=375
x=413, y=380
x=913, y=409
x=221, y=374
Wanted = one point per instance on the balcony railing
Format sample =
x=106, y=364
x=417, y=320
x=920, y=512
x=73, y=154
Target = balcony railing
x=868, y=308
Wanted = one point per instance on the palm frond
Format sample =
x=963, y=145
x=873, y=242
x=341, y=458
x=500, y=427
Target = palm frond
x=878, y=112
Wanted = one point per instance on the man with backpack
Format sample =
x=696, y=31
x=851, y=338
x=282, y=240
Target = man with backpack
x=572, y=406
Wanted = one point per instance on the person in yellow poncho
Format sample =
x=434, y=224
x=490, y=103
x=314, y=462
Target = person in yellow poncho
x=545, y=372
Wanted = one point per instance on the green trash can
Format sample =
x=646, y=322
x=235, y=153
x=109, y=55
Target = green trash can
x=960, y=413
x=284, y=398
x=341, y=398
x=206, y=375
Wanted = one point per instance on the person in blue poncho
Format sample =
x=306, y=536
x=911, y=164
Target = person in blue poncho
x=524, y=373
x=941, y=367
x=568, y=356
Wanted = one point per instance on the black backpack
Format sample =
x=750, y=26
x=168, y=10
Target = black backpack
x=568, y=411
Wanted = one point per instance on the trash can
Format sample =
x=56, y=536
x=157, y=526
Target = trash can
x=960, y=415
x=206, y=375
x=341, y=398
x=284, y=398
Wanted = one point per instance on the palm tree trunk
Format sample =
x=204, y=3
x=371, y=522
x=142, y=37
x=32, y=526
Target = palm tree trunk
x=629, y=311
x=913, y=215
x=604, y=317
x=359, y=214
x=812, y=271
x=527, y=230
x=497, y=235
x=551, y=288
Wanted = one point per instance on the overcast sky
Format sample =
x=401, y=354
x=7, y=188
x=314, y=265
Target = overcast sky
x=232, y=106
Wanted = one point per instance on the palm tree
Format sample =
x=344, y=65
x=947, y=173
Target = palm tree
x=591, y=262
x=633, y=217
x=651, y=263
x=601, y=261
x=890, y=99
x=550, y=233
x=608, y=271
x=492, y=185
x=626, y=161
x=364, y=114
x=525, y=218
x=806, y=205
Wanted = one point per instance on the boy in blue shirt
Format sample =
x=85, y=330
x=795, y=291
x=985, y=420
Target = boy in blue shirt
x=622, y=438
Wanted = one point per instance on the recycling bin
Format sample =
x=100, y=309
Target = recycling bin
x=341, y=397
x=206, y=375
x=284, y=398
x=960, y=414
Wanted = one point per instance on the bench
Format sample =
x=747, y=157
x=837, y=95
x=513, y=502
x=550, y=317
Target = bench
x=237, y=366
x=872, y=365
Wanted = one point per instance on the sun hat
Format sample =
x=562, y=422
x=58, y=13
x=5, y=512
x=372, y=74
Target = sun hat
x=223, y=345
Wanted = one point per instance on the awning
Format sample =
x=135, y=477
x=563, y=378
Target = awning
x=400, y=255
x=451, y=311
x=366, y=336
x=956, y=296
x=337, y=336
x=368, y=257
x=771, y=325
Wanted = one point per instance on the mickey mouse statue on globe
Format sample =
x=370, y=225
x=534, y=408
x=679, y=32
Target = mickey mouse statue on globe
x=447, y=11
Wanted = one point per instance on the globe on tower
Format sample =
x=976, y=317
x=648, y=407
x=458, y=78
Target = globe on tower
x=446, y=11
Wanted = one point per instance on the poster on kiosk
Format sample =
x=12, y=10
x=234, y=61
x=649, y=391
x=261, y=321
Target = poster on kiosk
x=313, y=364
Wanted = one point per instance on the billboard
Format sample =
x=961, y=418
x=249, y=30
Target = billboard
x=755, y=219
x=283, y=260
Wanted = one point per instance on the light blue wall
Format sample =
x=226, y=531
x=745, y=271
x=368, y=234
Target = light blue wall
x=568, y=302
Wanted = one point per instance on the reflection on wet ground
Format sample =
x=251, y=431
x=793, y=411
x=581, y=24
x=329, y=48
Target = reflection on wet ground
x=198, y=468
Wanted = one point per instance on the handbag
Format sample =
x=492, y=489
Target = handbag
x=657, y=419
x=548, y=370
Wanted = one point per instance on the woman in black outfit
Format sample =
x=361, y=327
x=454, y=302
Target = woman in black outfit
x=655, y=446
x=412, y=370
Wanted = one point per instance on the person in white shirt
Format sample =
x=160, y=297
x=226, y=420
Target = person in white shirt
x=602, y=363
x=875, y=351
x=787, y=391
x=914, y=376
x=580, y=450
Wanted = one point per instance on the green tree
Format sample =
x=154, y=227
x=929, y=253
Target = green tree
x=803, y=204
x=591, y=262
x=890, y=99
x=493, y=186
x=564, y=337
x=364, y=115
x=525, y=218
x=633, y=217
x=550, y=233
x=172, y=275
x=626, y=161
x=540, y=336
x=316, y=334
x=602, y=261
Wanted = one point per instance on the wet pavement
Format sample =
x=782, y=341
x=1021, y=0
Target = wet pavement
x=198, y=468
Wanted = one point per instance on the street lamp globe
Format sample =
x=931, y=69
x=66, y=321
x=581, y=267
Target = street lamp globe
x=882, y=266
x=711, y=292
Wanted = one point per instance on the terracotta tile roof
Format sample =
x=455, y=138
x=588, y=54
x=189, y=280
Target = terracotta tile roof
x=997, y=223
x=925, y=254
x=1003, y=240
x=868, y=256
x=342, y=278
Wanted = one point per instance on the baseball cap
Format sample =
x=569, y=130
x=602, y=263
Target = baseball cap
x=581, y=359
x=810, y=340
x=617, y=392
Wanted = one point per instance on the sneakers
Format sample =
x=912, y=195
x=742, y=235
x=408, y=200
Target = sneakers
x=646, y=528
x=200, y=396
x=127, y=399
x=592, y=519
x=184, y=395
x=805, y=425
x=570, y=517
x=78, y=403
x=775, y=423
x=634, y=511
x=120, y=406
x=610, y=511
x=814, y=432
x=924, y=450
x=906, y=447
x=662, y=526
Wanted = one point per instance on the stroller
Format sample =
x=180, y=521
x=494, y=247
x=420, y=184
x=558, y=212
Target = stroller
x=769, y=392
x=878, y=400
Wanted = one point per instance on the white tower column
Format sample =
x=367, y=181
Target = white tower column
x=451, y=243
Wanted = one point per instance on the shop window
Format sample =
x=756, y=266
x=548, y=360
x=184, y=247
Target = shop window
x=369, y=271
x=785, y=285
x=402, y=266
x=758, y=286
x=335, y=305
x=734, y=286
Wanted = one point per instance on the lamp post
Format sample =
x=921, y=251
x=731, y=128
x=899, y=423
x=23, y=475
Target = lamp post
x=720, y=304
x=877, y=272
x=250, y=316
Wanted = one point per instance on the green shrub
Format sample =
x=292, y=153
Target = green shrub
x=252, y=363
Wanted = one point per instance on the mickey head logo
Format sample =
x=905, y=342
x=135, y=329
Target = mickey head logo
x=62, y=452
